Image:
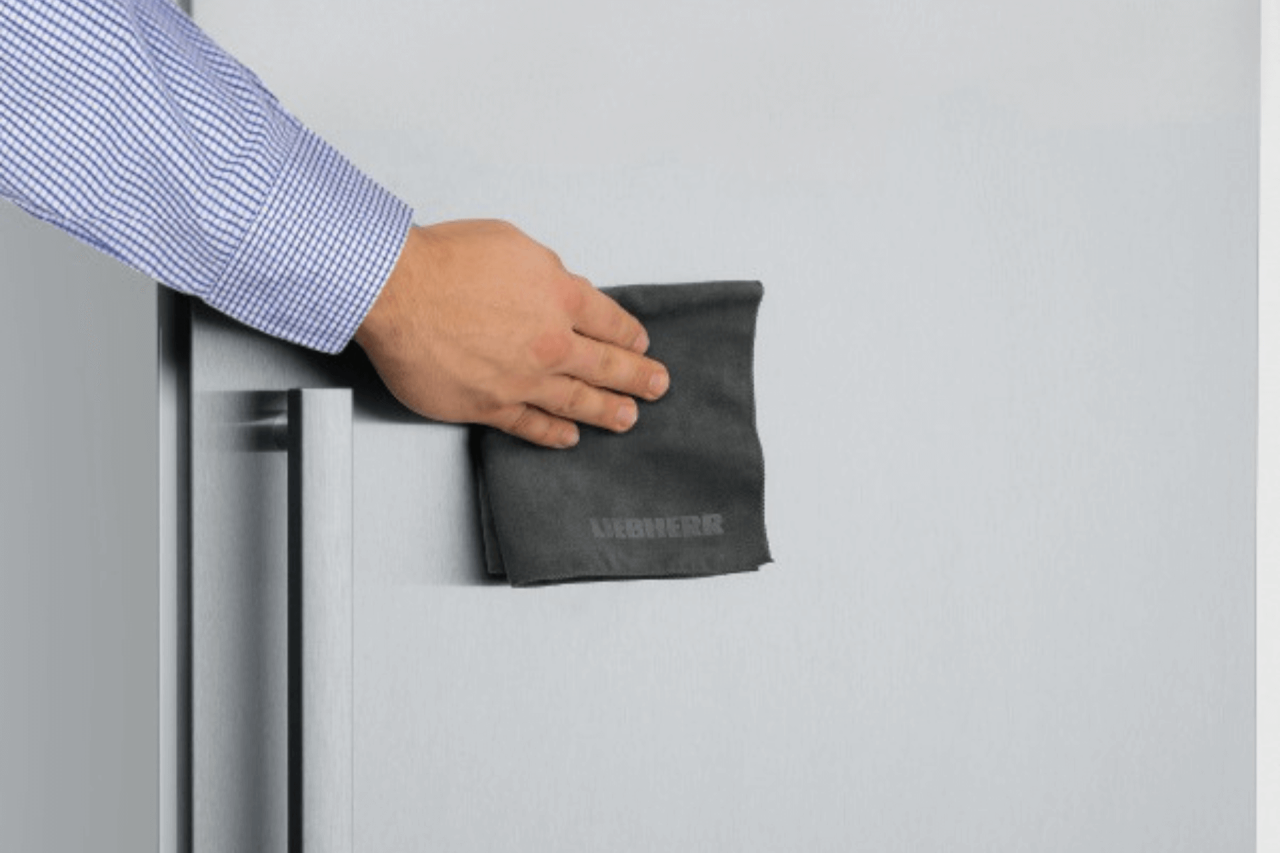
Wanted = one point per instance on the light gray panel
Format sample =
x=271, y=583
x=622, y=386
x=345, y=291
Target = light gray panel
x=79, y=658
x=1006, y=389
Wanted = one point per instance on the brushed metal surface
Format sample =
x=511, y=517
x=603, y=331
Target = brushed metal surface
x=320, y=621
x=239, y=707
x=240, y=703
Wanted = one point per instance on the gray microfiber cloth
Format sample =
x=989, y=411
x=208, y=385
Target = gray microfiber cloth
x=679, y=495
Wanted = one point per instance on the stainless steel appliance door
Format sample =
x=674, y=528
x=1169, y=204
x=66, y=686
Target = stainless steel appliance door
x=1005, y=378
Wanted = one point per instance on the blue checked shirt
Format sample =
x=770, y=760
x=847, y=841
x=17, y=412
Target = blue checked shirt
x=125, y=125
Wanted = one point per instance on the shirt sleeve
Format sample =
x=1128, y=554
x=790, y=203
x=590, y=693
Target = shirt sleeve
x=122, y=123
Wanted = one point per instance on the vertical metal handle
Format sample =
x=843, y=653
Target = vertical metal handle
x=320, y=631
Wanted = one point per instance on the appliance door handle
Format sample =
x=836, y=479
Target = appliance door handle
x=320, y=630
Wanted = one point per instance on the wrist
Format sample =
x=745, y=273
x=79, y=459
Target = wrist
x=380, y=320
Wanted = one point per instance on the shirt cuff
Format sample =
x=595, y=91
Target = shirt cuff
x=319, y=252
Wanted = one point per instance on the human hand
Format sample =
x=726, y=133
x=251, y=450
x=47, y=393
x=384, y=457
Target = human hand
x=478, y=323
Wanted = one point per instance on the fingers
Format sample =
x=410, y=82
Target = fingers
x=607, y=350
x=603, y=357
x=601, y=318
x=548, y=418
x=575, y=400
x=608, y=366
x=536, y=426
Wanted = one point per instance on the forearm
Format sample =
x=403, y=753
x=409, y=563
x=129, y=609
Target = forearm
x=122, y=123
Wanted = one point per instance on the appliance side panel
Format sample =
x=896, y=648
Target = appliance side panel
x=79, y=630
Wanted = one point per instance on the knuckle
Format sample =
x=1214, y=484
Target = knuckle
x=575, y=399
x=571, y=295
x=505, y=237
x=494, y=397
x=550, y=350
x=606, y=362
x=624, y=327
x=491, y=406
x=548, y=432
x=517, y=420
x=533, y=425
